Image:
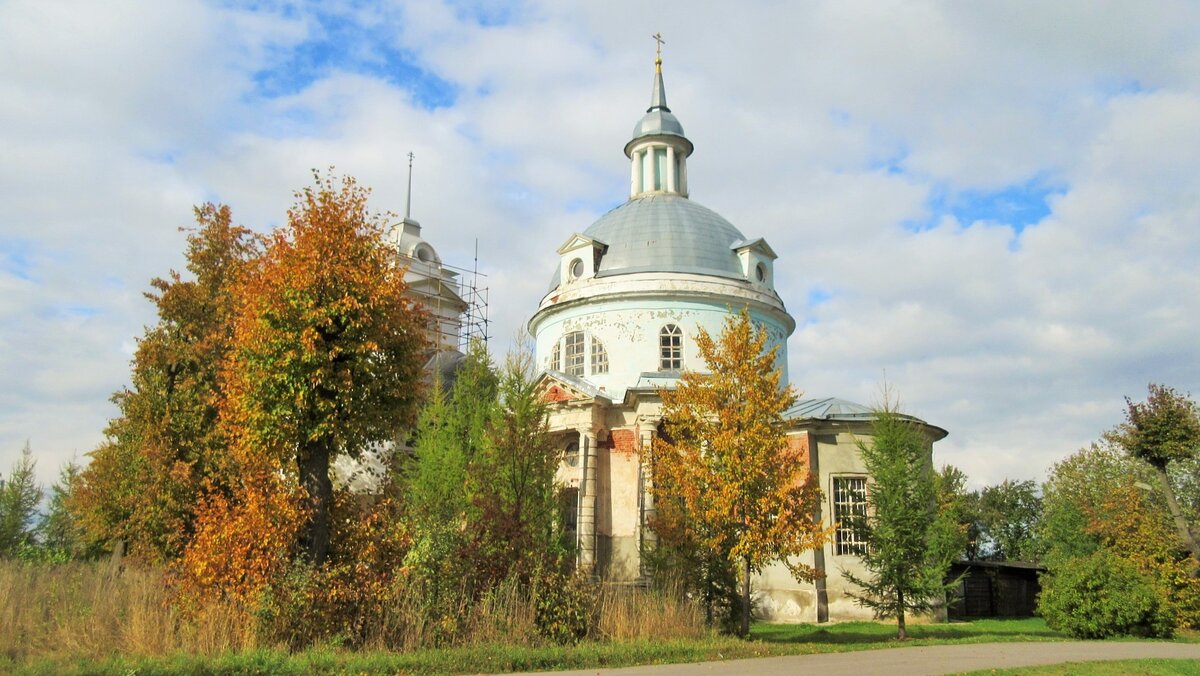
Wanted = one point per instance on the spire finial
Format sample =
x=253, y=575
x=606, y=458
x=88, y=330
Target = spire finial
x=658, y=52
x=408, y=198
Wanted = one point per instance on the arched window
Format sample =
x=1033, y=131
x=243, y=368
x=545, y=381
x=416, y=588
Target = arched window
x=574, y=360
x=670, y=348
x=555, y=364
x=571, y=454
x=599, y=357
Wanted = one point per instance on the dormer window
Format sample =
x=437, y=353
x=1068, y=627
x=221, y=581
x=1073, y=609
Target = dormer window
x=670, y=348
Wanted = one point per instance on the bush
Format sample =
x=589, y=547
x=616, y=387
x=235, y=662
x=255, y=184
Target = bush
x=565, y=607
x=1103, y=595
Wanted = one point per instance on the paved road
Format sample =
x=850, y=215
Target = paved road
x=942, y=659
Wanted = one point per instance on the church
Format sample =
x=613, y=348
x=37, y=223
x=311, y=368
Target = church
x=626, y=298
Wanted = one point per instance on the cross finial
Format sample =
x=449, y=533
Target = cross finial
x=658, y=51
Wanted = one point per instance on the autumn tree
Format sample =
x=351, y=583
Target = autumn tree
x=910, y=543
x=144, y=482
x=20, y=495
x=1164, y=429
x=1100, y=503
x=725, y=477
x=327, y=347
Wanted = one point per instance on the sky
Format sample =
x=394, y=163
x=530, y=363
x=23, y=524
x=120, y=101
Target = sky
x=995, y=206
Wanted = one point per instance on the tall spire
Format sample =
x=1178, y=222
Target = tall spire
x=658, y=97
x=408, y=198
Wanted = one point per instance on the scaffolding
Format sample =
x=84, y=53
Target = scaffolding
x=458, y=319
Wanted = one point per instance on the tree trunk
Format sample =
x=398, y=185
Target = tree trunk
x=745, y=628
x=1181, y=525
x=901, y=631
x=313, y=462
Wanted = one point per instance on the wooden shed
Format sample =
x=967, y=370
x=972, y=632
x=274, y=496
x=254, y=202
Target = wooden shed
x=994, y=589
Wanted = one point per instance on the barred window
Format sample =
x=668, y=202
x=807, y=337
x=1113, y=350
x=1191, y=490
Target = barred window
x=599, y=357
x=555, y=361
x=574, y=365
x=849, y=508
x=670, y=348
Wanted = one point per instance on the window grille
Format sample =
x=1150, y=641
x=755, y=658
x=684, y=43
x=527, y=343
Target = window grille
x=574, y=357
x=849, y=509
x=670, y=348
x=599, y=357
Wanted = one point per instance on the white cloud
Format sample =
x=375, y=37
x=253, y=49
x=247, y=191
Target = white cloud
x=824, y=127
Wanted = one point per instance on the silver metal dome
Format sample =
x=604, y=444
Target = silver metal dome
x=656, y=123
x=665, y=233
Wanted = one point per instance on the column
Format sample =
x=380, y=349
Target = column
x=587, y=502
x=647, y=538
x=683, y=176
x=671, y=169
x=648, y=169
x=635, y=184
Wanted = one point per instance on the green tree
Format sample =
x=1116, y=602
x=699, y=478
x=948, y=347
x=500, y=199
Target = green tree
x=144, y=482
x=1162, y=430
x=961, y=508
x=910, y=543
x=439, y=482
x=516, y=496
x=1008, y=516
x=1102, y=500
x=19, y=498
x=60, y=532
x=327, y=348
x=726, y=480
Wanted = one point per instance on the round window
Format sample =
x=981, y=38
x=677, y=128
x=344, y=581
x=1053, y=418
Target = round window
x=424, y=254
x=760, y=271
x=576, y=268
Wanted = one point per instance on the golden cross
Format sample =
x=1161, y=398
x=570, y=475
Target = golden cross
x=658, y=38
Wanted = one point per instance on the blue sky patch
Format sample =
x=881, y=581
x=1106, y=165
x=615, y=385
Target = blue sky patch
x=1017, y=206
x=15, y=258
x=343, y=41
x=485, y=13
x=818, y=296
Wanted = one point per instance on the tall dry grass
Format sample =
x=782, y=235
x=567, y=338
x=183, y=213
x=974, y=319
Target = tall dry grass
x=85, y=610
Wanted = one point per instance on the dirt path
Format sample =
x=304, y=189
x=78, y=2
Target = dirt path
x=942, y=659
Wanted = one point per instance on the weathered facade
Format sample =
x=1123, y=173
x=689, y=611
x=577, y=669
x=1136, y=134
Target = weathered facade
x=627, y=297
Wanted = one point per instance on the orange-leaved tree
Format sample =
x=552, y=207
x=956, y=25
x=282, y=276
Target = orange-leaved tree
x=144, y=482
x=327, y=350
x=726, y=481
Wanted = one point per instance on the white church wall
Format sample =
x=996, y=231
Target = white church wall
x=630, y=332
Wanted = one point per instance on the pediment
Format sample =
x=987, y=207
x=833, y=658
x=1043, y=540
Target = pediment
x=578, y=241
x=556, y=387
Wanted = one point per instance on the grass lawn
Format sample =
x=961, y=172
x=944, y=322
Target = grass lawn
x=766, y=640
x=1149, y=667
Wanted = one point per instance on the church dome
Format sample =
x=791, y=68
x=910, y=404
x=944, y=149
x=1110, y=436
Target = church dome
x=657, y=122
x=665, y=233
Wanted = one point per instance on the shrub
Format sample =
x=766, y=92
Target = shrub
x=565, y=607
x=1103, y=595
